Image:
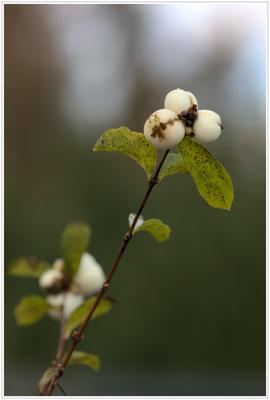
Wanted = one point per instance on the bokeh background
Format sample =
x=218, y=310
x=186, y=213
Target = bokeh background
x=190, y=318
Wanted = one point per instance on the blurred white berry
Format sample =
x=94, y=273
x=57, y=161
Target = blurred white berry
x=207, y=127
x=70, y=300
x=163, y=129
x=51, y=278
x=59, y=264
x=139, y=222
x=90, y=276
x=55, y=300
x=179, y=100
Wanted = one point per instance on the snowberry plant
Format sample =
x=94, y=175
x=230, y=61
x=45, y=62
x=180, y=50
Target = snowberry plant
x=68, y=288
x=75, y=286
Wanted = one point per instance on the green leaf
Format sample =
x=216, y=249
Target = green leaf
x=75, y=241
x=46, y=378
x=90, y=360
x=156, y=228
x=78, y=316
x=132, y=144
x=174, y=164
x=30, y=310
x=27, y=267
x=212, y=180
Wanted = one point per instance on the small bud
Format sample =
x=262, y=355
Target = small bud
x=179, y=101
x=90, y=276
x=164, y=129
x=139, y=222
x=189, y=131
x=59, y=264
x=207, y=127
x=70, y=300
x=52, y=280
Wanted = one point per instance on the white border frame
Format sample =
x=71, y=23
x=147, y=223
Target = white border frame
x=3, y=3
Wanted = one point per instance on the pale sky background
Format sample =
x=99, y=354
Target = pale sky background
x=95, y=51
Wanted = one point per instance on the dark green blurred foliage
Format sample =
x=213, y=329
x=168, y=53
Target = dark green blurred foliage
x=190, y=317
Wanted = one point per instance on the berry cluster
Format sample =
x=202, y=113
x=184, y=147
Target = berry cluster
x=70, y=293
x=166, y=128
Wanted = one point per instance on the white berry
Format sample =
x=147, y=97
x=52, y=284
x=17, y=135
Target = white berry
x=179, y=100
x=50, y=278
x=90, y=276
x=207, y=127
x=163, y=129
x=70, y=300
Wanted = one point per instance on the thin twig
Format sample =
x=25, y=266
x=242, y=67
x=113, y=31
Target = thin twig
x=62, y=339
x=78, y=335
x=61, y=389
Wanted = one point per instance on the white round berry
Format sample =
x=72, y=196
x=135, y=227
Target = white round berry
x=50, y=278
x=179, y=100
x=70, y=300
x=55, y=300
x=90, y=276
x=207, y=127
x=163, y=129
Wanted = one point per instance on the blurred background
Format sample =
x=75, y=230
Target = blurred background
x=190, y=318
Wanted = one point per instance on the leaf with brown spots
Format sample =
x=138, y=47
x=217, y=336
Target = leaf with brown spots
x=212, y=180
x=131, y=144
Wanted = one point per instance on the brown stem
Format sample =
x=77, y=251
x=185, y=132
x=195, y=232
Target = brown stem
x=78, y=335
x=62, y=339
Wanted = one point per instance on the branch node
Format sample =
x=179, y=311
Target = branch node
x=60, y=372
x=106, y=286
x=153, y=180
x=77, y=339
x=74, y=336
x=127, y=237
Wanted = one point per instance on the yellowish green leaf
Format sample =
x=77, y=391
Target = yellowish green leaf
x=212, y=180
x=46, y=378
x=27, y=267
x=30, y=310
x=75, y=241
x=156, y=228
x=78, y=316
x=132, y=144
x=82, y=358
